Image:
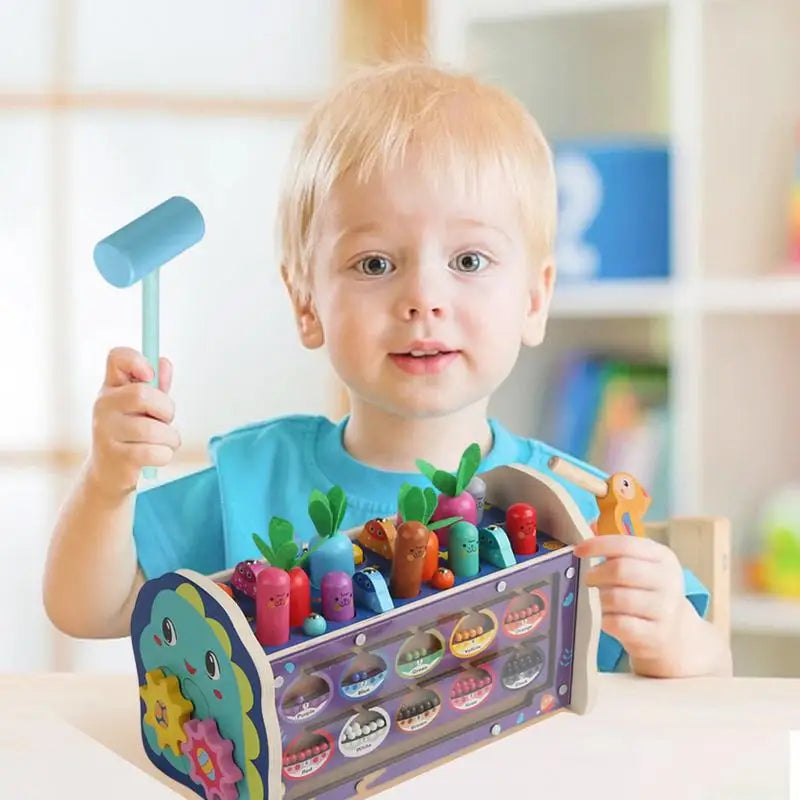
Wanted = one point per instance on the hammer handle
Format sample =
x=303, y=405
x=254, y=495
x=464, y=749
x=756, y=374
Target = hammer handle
x=150, y=314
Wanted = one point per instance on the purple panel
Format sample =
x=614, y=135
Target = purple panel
x=528, y=657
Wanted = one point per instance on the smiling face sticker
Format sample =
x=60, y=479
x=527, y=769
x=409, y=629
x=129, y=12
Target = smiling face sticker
x=278, y=600
x=179, y=639
x=337, y=597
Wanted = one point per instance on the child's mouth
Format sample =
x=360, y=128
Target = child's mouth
x=424, y=362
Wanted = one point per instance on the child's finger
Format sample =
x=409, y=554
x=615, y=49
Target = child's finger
x=631, y=572
x=616, y=546
x=141, y=398
x=146, y=430
x=124, y=365
x=641, y=603
x=164, y=374
x=632, y=632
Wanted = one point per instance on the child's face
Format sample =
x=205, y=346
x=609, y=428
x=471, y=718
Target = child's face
x=405, y=266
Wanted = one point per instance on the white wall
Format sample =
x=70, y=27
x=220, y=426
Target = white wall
x=69, y=181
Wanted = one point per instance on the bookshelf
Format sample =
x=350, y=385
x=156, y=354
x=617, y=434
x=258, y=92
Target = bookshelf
x=717, y=79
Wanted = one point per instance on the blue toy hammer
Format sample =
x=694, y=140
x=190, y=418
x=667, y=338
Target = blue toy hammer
x=137, y=251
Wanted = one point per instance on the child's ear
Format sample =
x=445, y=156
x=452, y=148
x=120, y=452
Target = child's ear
x=541, y=291
x=308, y=324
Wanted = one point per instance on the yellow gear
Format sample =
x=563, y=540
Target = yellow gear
x=167, y=710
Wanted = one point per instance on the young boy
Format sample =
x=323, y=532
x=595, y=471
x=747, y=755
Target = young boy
x=416, y=225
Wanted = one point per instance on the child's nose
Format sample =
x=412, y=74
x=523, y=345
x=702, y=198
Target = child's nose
x=422, y=310
x=420, y=298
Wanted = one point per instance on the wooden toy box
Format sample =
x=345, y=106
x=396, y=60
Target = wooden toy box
x=377, y=699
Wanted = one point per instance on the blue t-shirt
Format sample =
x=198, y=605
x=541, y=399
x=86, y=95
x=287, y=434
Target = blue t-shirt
x=206, y=520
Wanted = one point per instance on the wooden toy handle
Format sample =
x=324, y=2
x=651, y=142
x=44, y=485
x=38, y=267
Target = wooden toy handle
x=580, y=477
x=150, y=345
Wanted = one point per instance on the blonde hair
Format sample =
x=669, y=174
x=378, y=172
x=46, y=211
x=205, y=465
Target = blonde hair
x=466, y=127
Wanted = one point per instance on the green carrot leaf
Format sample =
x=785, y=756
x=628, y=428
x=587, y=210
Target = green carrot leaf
x=428, y=470
x=286, y=555
x=319, y=509
x=430, y=503
x=265, y=549
x=280, y=532
x=440, y=523
x=404, y=489
x=467, y=467
x=445, y=482
x=414, y=505
x=338, y=504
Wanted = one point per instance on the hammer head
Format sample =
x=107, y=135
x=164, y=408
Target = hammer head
x=133, y=252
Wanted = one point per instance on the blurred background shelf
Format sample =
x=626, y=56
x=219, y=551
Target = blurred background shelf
x=764, y=614
x=768, y=295
x=666, y=297
x=716, y=81
x=613, y=299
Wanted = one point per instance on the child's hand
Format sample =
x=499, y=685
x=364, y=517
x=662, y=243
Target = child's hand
x=641, y=594
x=131, y=425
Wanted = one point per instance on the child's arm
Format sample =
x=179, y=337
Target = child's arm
x=641, y=588
x=92, y=575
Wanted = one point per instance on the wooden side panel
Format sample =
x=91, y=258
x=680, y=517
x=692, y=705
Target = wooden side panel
x=702, y=545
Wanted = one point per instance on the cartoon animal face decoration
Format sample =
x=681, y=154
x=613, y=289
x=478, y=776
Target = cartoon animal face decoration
x=343, y=599
x=521, y=528
x=337, y=597
x=409, y=559
x=370, y=590
x=278, y=599
x=623, y=507
x=181, y=633
x=179, y=639
x=272, y=606
x=624, y=486
x=487, y=540
x=415, y=553
x=494, y=546
x=362, y=582
x=375, y=529
x=443, y=578
x=244, y=576
x=462, y=550
x=378, y=535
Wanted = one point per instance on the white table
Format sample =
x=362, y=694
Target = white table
x=700, y=738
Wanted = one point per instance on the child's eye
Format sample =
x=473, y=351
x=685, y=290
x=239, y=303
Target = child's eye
x=375, y=266
x=469, y=262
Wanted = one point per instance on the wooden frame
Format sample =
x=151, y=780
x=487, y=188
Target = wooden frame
x=702, y=545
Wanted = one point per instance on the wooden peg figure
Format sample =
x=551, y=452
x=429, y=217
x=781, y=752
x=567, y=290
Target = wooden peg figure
x=621, y=500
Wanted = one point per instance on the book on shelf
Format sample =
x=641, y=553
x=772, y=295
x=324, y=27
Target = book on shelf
x=614, y=414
